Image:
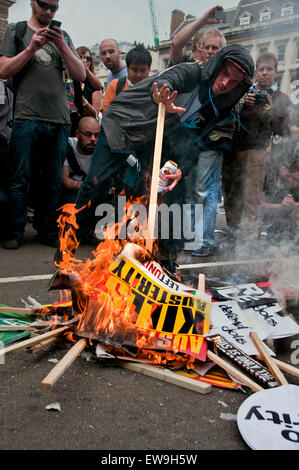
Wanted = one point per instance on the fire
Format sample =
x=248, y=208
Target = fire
x=108, y=315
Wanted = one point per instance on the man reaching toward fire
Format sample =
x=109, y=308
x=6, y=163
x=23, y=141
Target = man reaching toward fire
x=196, y=98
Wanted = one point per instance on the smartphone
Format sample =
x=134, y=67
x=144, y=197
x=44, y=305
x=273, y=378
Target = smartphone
x=54, y=23
x=219, y=15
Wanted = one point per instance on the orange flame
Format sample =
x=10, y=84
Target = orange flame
x=103, y=316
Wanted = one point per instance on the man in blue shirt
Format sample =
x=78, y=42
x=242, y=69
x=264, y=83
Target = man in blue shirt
x=111, y=57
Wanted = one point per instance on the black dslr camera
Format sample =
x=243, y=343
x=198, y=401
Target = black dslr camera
x=261, y=97
x=295, y=193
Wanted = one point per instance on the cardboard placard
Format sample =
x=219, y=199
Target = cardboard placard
x=172, y=316
x=269, y=420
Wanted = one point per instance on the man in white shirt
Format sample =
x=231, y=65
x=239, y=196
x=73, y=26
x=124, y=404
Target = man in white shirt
x=79, y=156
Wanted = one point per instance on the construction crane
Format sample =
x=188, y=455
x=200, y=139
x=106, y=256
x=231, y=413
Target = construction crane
x=154, y=23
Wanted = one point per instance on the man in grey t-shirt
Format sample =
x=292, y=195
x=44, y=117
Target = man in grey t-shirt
x=41, y=120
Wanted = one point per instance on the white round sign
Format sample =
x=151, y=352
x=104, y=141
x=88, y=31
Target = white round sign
x=269, y=420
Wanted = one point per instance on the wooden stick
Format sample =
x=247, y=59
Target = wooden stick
x=43, y=344
x=30, y=342
x=285, y=366
x=155, y=178
x=223, y=263
x=64, y=364
x=234, y=372
x=273, y=367
x=201, y=282
x=16, y=328
x=25, y=311
x=168, y=376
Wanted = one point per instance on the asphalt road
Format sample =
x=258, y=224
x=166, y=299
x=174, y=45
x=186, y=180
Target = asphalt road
x=102, y=407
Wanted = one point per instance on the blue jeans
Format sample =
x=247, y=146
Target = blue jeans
x=206, y=177
x=45, y=144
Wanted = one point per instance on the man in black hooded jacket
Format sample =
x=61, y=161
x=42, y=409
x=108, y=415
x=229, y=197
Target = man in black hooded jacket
x=197, y=98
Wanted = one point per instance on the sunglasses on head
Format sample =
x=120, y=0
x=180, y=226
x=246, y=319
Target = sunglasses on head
x=88, y=58
x=47, y=6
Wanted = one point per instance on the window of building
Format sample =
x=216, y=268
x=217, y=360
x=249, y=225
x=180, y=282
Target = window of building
x=265, y=14
x=245, y=18
x=297, y=50
x=281, y=49
x=287, y=10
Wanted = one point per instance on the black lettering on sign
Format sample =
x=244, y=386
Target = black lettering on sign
x=156, y=312
x=117, y=271
x=254, y=411
x=175, y=299
x=170, y=319
x=129, y=275
x=144, y=286
x=188, y=316
x=290, y=435
x=138, y=302
x=155, y=291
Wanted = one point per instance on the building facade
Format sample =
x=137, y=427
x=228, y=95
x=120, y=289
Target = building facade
x=4, y=6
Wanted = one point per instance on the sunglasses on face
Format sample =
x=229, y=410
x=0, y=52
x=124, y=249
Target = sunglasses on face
x=47, y=6
x=88, y=58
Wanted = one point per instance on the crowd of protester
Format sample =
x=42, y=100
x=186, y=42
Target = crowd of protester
x=64, y=139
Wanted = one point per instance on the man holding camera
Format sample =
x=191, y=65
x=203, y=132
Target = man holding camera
x=36, y=53
x=264, y=114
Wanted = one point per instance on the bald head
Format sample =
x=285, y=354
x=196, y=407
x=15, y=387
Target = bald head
x=87, y=134
x=111, y=55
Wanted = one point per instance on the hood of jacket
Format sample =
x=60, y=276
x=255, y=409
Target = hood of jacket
x=210, y=70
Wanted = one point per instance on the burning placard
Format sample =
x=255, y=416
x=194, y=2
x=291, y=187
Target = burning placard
x=138, y=305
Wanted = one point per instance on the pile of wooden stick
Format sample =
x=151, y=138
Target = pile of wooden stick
x=38, y=341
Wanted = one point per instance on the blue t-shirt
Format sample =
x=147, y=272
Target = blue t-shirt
x=121, y=73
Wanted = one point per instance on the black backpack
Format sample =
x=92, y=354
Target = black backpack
x=73, y=164
x=120, y=84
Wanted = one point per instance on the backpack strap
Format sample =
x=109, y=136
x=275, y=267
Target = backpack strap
x=21, y=27
x=120, y=84
x=74, y=165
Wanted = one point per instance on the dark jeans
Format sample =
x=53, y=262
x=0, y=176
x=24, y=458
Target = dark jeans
x=49, y=142
x=106, y=165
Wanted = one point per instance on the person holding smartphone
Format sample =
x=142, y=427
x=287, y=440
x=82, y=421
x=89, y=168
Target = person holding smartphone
x=36, y=53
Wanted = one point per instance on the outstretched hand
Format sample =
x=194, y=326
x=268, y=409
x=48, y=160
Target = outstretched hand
x=163, y=96
x=173, y=180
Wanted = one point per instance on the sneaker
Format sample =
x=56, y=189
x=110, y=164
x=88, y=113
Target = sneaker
x=204, y=251
x=12, y=243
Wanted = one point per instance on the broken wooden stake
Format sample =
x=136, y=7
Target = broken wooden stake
x=285, y=366
x=64, y=364
x=24, y=311
x=168, y=376
x=271, y=364
x=16, y=328
x=43, y=344
x=155, y=178
x=30, y=342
